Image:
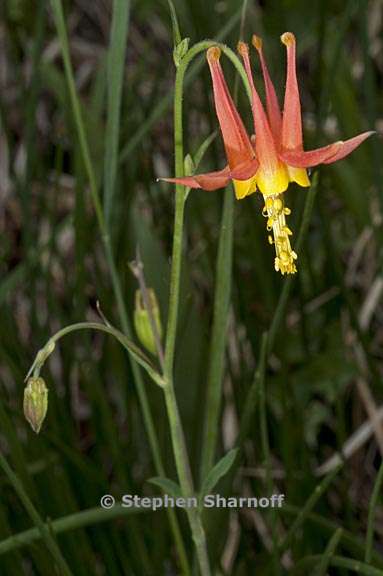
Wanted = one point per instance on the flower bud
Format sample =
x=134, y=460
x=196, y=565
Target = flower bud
x=180, y=51
x=142, y=321
x=35, y=402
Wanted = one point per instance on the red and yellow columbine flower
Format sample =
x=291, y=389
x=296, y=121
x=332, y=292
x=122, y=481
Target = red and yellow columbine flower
x=273, y=158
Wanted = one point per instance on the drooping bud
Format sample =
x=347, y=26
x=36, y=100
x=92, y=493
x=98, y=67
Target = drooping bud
x=35, y=402
x=142, y=321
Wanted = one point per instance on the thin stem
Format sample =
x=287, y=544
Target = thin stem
x=288, y=283
x=265, y=444
x=88, y=517
x=178, y=440
x=132, y=349
x=308, y=506
x=185, y=478
x=35, y=517
x=329, y=553
x=371, y=514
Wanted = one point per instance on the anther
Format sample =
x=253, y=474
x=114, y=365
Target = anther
x=242, y=48
x=288, y=38
x=256, y=42
x=213, y=53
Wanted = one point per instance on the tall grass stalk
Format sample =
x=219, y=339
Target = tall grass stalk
x=35, y=517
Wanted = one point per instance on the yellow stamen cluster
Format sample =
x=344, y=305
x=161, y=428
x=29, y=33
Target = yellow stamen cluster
x=276, y=212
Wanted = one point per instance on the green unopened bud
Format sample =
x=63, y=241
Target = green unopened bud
x=35, y=402
x=142, y=321
x=180, y=51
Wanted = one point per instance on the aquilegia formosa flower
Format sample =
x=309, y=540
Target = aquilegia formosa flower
x=272, y=158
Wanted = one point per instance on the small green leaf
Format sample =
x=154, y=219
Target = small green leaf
x=203, y=148
x=189, y=165
x=180, y=51
x=167, y=485
x=218, y=471
x=175, y=25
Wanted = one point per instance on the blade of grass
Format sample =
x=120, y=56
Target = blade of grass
x=329, y=553
x=339, y=562
x=266, y=446
x=354, y=544
x=68, y=523
x=218, y=335
x=115, y=76
x=371, y=514
x=288, y=283
x=35, y=517
x=320, y=489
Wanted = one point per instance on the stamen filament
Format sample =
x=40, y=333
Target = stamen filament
x=276, y=212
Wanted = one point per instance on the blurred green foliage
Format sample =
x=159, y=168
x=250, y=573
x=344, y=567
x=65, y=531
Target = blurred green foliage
x=53, y=272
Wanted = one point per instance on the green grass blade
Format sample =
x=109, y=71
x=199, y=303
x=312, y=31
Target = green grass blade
x=218, y=334
x=353, y=544
x=309, y=562
x=68, y=523
x=288, y=283
x=372, y=512
x=307, y=508
x=329, y=553
x=115, y=76
x=35, y=517
x=266, y=446
x=63, y=37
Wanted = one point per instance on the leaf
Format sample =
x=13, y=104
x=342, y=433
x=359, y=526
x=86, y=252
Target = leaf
x=180, y=51
x=175, y=25
x=218, y=471
x=167, y=485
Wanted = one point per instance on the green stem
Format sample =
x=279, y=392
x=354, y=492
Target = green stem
x=35, y=517
x=185, y=478
x=176, y=430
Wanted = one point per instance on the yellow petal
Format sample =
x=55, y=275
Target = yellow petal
x=243, y=188
x=272, y=182
x=298, y=175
